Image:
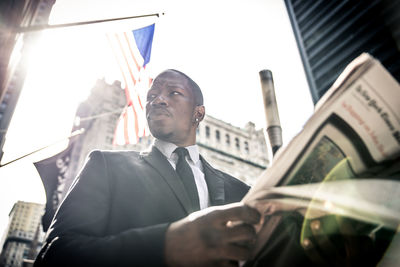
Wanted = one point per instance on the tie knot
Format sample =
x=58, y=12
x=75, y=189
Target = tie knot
x=181, y=152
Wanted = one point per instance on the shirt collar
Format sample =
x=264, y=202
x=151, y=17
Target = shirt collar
x=167, y=150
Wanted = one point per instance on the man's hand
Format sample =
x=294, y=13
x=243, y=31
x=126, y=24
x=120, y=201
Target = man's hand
x=216, y=236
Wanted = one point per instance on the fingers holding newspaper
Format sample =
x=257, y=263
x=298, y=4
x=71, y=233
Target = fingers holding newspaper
x=216, y=236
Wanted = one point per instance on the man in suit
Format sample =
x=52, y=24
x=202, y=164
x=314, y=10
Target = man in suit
x=136, y=209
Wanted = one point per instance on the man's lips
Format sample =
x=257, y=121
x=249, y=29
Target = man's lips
x=156, y=113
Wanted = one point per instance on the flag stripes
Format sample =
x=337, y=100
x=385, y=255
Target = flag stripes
x=132, y=122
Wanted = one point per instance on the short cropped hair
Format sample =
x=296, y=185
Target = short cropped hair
x=198, y=95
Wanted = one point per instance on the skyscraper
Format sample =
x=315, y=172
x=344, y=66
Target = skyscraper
x=23, y=236
x=331, y=33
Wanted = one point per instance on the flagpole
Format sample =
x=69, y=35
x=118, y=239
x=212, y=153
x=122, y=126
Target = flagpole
x=274, y=129
x=74, y=133
x=80, y=23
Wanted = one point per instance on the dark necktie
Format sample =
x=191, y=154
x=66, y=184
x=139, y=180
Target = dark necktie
x=185, y=172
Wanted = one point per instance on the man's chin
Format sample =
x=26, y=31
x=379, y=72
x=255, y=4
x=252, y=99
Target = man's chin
x=161, y=134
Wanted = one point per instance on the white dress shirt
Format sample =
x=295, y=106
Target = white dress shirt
x=194, y=162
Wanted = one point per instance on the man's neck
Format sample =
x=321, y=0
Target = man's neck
x=183, y=144
x=167, y=148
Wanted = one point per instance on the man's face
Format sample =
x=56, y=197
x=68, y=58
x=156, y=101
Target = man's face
x=170, y=109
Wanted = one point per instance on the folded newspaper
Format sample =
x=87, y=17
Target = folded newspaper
x=345, y=161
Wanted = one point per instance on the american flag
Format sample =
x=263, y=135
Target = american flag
x=132, y=51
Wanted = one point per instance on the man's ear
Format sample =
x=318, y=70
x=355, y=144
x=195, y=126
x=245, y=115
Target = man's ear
x=199, y=113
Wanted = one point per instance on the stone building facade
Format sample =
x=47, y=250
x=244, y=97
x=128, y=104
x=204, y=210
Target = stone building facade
x=97, y=116
x=241, y=152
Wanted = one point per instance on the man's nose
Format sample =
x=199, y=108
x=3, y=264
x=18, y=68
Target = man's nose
x=159, y=100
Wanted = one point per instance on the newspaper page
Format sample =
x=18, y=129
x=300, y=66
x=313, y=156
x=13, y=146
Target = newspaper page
x=354, y=134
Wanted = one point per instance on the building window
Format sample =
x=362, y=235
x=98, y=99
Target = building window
x=109, y=140
x=111, y=129
x=246, y=146
x=207, y=132
x=217, y=136
x=6, y=96
x=228, y=139
x=237, y=143
x=3, y=106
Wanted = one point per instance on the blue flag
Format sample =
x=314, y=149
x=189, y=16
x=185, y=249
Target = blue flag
x=144, y=40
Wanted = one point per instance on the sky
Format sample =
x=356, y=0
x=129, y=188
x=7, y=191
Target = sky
x=221, y=44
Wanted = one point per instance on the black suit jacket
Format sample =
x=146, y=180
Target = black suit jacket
x=119, y=207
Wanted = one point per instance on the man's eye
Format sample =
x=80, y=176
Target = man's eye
x=151, y=96
x=175, y=93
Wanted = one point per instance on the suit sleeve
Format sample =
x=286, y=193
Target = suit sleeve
x=76, y=236
x=235, y=189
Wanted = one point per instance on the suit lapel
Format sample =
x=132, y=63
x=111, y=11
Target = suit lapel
x=215, y=183
x=158, y=161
